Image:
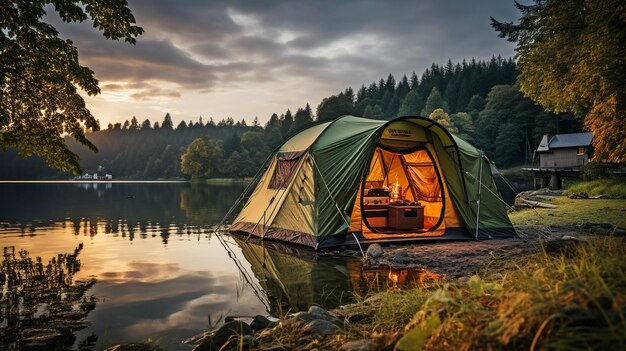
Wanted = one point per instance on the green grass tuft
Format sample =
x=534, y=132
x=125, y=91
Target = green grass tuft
x=573, y=300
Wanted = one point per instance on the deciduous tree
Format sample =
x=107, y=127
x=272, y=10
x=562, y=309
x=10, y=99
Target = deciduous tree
x=462, y=121
x=40, y=75
x=202, y=158
x=374, y=112
x=433, y=102
x=411, y=105
x=572, y=58
x=441, y=117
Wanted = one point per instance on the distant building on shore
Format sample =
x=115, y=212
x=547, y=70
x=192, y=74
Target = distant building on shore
x=570, y=151
x=560, y=155
x=100, y=174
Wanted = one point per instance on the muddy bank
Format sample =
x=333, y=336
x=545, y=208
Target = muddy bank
x=464, y=258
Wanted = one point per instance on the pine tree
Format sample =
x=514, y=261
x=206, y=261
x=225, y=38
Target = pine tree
x=414, y=81
x=134, y=125
x=146, y=124
x=167, y=122
x=301, y=120
x=182, y=125
x=286, y=123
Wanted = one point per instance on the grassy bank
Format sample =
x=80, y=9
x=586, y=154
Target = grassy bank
x=613, y=188
x=545, y=301
x=564, y=294
x=570, y=297
x=574, y=212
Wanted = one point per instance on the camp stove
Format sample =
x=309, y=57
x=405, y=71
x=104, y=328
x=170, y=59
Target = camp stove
x=376, y=206
x=376, y=198
x=375, y=201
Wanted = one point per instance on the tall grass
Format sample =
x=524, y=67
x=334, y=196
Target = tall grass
x=575, y=299
x=614, y=188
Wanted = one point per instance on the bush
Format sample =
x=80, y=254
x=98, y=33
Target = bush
x=595, y=170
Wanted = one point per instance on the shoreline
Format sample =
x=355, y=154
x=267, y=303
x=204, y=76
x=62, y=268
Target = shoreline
x=138, y=181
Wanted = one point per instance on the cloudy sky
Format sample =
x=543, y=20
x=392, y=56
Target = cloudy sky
x=241, y=59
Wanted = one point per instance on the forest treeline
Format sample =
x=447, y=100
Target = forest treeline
x=478, y=100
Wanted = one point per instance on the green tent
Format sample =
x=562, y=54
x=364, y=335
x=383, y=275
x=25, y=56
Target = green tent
x=356, y=180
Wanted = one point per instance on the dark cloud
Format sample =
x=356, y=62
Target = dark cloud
x=200, y=45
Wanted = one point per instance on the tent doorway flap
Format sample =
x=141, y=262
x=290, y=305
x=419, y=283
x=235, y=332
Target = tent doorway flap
x=401, y=194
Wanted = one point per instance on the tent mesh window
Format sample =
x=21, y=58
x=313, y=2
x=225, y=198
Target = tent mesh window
x=285, y=168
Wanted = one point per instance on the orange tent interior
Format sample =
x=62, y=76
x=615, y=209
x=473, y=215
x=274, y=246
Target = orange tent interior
x=404, y=194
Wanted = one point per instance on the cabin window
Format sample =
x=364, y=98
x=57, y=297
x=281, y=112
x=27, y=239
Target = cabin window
x=286, y=165
x=581, y=151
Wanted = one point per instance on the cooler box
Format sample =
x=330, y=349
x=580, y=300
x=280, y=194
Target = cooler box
x=406, y=217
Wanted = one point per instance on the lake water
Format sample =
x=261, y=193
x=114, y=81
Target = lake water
x=160, y=271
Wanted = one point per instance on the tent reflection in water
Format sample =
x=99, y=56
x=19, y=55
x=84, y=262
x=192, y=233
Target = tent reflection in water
x=357, y=180
x=295, y=279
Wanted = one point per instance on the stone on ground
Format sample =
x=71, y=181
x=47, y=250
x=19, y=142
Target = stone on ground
x=374, y=251
x=320, y=327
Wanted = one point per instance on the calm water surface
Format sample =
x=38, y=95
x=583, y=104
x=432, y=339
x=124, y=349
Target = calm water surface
x=160, y=271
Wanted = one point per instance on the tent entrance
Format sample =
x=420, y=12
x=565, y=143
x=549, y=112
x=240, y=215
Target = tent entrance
x=403, y=193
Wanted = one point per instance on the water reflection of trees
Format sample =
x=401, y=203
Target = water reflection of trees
x=128, y=209
x=206, y=203
x=40, y=305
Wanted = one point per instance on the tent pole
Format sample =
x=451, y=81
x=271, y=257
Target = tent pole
x=336, y=206
x=492, y=193
x=358, y=243
x=480, y=178
x=254, y=181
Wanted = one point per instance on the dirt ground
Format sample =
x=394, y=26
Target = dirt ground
x=457, y=259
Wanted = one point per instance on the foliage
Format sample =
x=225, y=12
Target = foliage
x=433, y=102
x=475, y=105
x=459, y=82
x=335, y=106
x=301, y=120
x=572, y=56
x=154, y=151
x=441, y=117
x=510, y=126
x=40, y=75
x=411, y=105
x=462, y=121
x=613, y=188
x=595, y=170
x=374, y=112
x=567, y=300
x=201, y=158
